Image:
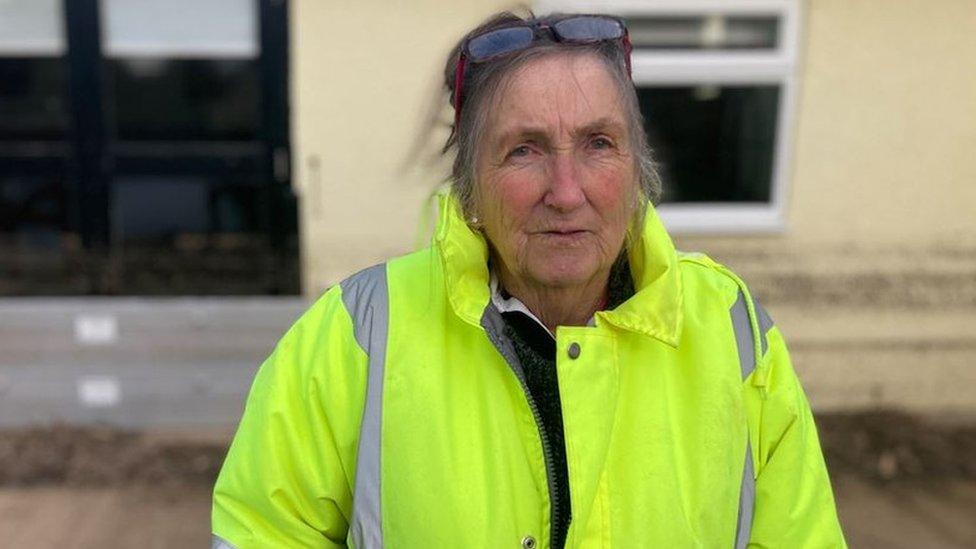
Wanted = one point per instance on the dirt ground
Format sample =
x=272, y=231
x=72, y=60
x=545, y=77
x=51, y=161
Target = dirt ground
x=907, y=515
x=104, y=518
x=899, y=481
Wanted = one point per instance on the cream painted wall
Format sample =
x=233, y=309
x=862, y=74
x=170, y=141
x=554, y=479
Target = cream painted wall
x=886, y=135
x=883, y=181
x=882, y=160
x=363, y=76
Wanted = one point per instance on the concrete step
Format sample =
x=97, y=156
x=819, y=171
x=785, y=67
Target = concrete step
x=189, y=362
x=920, y=360
x=135, y=362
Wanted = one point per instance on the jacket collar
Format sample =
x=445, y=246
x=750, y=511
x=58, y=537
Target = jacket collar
x=654, y=310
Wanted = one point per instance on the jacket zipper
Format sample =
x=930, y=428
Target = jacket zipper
x=546, y=451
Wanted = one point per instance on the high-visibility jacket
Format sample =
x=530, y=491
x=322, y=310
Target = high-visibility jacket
x=395, y=413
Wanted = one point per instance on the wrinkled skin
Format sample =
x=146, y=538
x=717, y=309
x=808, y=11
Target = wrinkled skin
x=556, y=185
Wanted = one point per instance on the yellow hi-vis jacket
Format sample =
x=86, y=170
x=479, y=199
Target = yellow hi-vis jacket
x=395, y=413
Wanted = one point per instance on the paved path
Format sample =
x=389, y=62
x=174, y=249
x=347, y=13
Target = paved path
x=105, y=518
x=932, y=517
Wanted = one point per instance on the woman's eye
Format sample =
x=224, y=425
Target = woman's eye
x=521, y=150
x=601, y=143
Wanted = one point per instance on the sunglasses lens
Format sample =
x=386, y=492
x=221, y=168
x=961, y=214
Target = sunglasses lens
x=499, y=42
x=588, y=28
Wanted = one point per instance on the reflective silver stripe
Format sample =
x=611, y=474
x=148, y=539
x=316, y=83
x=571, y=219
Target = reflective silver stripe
x=366, y=299
x=494, y=325
x=743, y=332
x=747, y=501
x=217, y=543
x=765, y=323
x=747, y=362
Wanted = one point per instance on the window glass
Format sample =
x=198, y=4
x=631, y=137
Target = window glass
x=39, y=253
x=192, y=99
x=199, y=235
x=713, y=143
x=32, y=91
x=180, y=28
x=33, y=207
x=164, y=208
x=704, y=32
x=31, y=27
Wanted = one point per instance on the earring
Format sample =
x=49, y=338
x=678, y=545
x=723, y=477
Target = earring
x=474, y=221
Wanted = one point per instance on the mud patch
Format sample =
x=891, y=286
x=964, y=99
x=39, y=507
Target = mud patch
x=872, y=289
x=875, y=446
x=886, y=445
x=102, y=456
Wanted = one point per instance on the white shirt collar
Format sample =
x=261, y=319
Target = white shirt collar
x=512, y=304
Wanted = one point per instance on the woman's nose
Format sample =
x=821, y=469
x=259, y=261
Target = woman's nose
x=565, y=192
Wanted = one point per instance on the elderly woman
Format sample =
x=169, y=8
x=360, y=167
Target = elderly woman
x=550, y=372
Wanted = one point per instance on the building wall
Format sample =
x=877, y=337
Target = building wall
x=882, y=205
x=364, y=76
x=887, y=124
x=874, y=279
x=882, y=153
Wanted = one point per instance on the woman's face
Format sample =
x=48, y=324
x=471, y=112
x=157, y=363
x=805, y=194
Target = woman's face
x=556, y=185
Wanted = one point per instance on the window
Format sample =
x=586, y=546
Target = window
x=716, y=84
x=194, y=205
x=731, y=164
x=149, y=157
x=195, y=62
x=35, y=232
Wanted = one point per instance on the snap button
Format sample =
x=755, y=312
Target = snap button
x=574, y=350
x=528, y=542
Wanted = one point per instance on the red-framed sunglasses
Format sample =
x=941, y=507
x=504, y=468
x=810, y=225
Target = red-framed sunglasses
x=570, y=29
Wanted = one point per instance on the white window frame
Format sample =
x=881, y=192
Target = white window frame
x=729, y=67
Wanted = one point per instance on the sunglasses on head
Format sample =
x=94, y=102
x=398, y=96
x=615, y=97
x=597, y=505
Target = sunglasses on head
x=500, y=42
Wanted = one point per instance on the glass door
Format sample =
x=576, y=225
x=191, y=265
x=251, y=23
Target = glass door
x=174, y=128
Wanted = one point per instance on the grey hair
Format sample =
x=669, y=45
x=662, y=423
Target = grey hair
x=483, y=82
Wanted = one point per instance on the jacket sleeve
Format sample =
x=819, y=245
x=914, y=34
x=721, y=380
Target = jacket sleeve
x=287, y=478
x=794, y=505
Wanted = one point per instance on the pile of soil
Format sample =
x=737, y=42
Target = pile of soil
x=887, y=445
x=879, y=445
x=103, y=456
